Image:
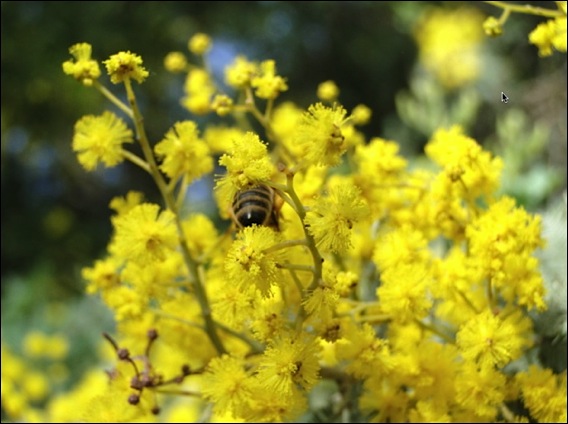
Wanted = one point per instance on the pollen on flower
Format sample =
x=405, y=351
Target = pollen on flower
x=502, y=240
x=126, y=303
x=429, y=412
x=125, y=65
x=145, y=235
x=388, y=402
x=402, y=246
x=271, y=406
x=222, y=104
x=227, y=384
x=99, y=139
x=372, y=353
x=469, y=171
x=248, y=263
x=491, y=341
x=331, y=219
x=321, y=303
x=102, y=276
x=548, y=35
x=235, y=304
x=319, y=134
x=404, y=292
x=289, y=362
x=480, y=390
x=268, y=316
x=544, y=394
x=241, y=72
x=381, y=173
x=122, y=205
x=268, y=85
x=84, y=68
x=184, y=153
x=492, y=27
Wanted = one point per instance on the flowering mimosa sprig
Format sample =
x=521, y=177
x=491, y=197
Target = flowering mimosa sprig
x=249, y=78
x=407, y=287
x=190, y=262
x=546, y=36
x=123, y=68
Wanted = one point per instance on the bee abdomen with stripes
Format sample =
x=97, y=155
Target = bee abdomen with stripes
x=254, y=205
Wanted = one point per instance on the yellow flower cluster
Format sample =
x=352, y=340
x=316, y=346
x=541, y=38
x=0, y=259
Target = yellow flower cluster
x=84, y=69
x=401, y=290
x=449, y=44
x=26, y=380
x=268, y=85
x=99, y=139
x=125, y=65
x=247, y=163
x=183, y=153
x=331, y=219
x=547, y=36
x=248, y=261
x=505, y=259
x=319, y=135
x=550, y=34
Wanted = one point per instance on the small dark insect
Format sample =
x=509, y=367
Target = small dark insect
x=255, y=205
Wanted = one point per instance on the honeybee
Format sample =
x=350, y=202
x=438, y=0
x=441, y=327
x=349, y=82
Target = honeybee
x=255, y=205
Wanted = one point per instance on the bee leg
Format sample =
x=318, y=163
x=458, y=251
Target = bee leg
x=274, y=220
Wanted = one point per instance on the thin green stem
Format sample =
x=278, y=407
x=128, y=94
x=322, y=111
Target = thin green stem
x=163, y=314
x=268, y=110
x=282, y=187
x=115, y=100
x=310, y=242
x=295, y=267
x=171, y=185
x=191, y=264
x=297, y=281
x=136, y=160
x=255, y=346
x=285, y=244
x=182, y=191
x=507, y=413
x=263, y=119
x=435, y=330
x=527, y=9
x=281, y=191
x=467, y=301
x=504, y=16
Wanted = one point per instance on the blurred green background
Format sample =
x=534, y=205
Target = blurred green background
x=55, y=217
